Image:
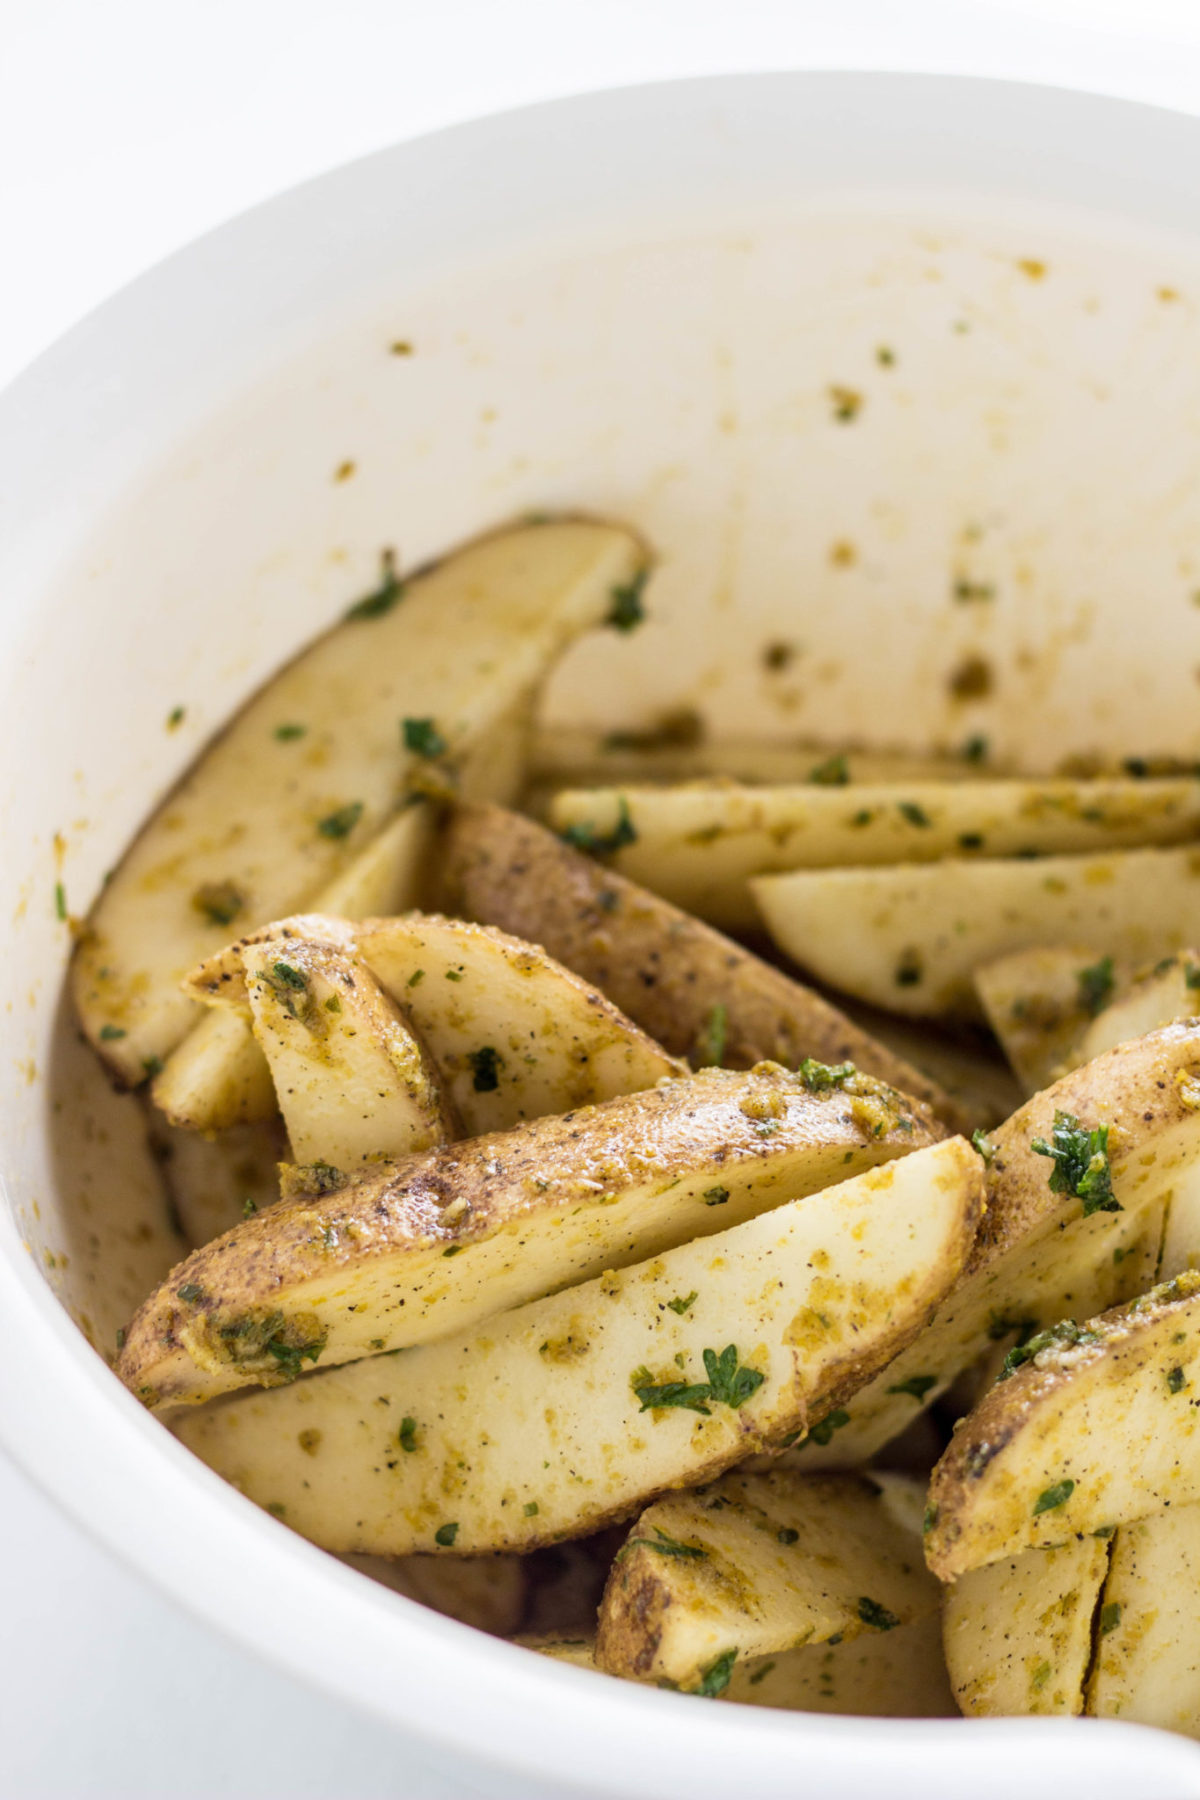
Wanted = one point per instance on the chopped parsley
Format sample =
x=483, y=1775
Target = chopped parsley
x=219, y=902
x=152, y=1066
x=1191, y=975
x=833, y=772
x=1051, y=1498
x=1065, y=1333
x=445, y=1535
x=292, y=1357
x=627, y=612
x=715, y=1679
x=916, y=1385
x=341, y=823
x=1175, y=1380
x=761, y=1673
x=731, y=1385
x=710, y=1049
x=1110, y=1617
x=176, y=717
x=417, y=976
x=970, y=840
x=823, y=1430
x=910, y=969
x=249, y=1207
x=821, y=1078
x=787, y=1534
x=930, y=1519
x=1096, y=985
x=384, y=597
x=288, y=732
x=965, y=591
x=728, y=1384
x=715, y=1196
x=914, y=814
x=423, y=738
x=975, y=750
x=584, y=836
x=485, y=1069
x=1081, y=1164
x=60, y=901
x=876, y=1616
x=984, y=1145
x=320, y=1178
x=662, y=1544
x=190, y=1291
x=682, y=1304
x=110, y=1033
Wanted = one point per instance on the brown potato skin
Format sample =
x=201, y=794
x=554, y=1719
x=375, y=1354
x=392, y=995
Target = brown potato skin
x=660, y=965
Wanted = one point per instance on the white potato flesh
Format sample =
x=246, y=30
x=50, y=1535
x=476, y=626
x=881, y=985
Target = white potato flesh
x=700, y=844
x=353, y=1082
x=514, y=1035
x=910, y=938
x=1089, y=1434
x=531, y=1428
x=216, y=1181
x=758, y=1563
x=1034, y=1001
x=1018, y=1633
x=365, y=1268
x=269, y=816
x=1170, y=991
x=1147, y=1667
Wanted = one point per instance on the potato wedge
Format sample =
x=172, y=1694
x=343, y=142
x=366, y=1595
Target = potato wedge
x=909, y=938
x=1037, y=1003
x=364, y=1269
x=218, y=1076
x=1018, y=1633
x=698, y=994
x=1097, y=1429
x=1147, y=1666
x=700, y=844
x=267, y=819
x=569, y=1412
x=216, y=1182
x=758, y=1563
x=1041, y=1253
x=963, y=1063
x=487, y=1592
x=1167, y=992
x=354, y=1083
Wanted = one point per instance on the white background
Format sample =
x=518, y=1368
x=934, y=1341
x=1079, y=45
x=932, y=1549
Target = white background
x=126, y=128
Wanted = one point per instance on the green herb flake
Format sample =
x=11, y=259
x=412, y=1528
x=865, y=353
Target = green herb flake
x=1096, y=985
x=414, y=980
x=761, y=1673
x=715, y=1679
x=1051, y=1498
x=286, y=975
x=1175, y=1380
x=190, y=1291
x=341, y=823
x=219, y=902
x=833, y=772
x=459, y=974
x=176, y=717
x=60, y=901
x=485, y=1069
x=930, y=1519
x=975, y=750
x=152, y=1066
x=110, y=1033
x=292, y=1357
x=120, y=1337
x=876, y=1616
x=452, y=1250
x=1041, y=1676
x=277, y=1508
x=530, y=1509
x=966, y=591
x=423, y=738
x=689, y=1396
x=710, y=1050
x=320, y=1178
x=823, y=1430
x=910, y=970
x=1104, y=1531
x=885, y=357
x=914, y=814
x=822, y=1078
x=916, y=1385
x=984, y=1145
x=1064, y=1335
x=382, y=599
x=715, y=1196
x=662, y=1545
x=682, y=1303
x=731, y=1385
x=445, y=1535
x=863, y=816
x=288, y=732
x=1081, y=1165
x=627, y=612
x=1191, y=975
x=1110, y=1617
x=407, y=1435
x=970, y=840
x=787, y=1534
x=585, y=836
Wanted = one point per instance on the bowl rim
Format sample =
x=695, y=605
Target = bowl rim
x=145, y=1494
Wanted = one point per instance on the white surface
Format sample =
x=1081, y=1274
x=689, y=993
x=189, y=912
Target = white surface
x=125, y=130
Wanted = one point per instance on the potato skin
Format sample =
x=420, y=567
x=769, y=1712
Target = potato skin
x=664, y=968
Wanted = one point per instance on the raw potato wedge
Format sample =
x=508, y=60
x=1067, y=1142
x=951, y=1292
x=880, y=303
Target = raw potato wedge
x=1147, y=1666
x=1039, y=1257
x=264, y=821
x=567, y=1413
x=1035, y=1002
x=897, y=1674
x=486, y=1592
x=440, y=1241
x=353, y=1082
x=1089, y=1434
x=697, y=993
x=1170, y=991
x=515, y=1035
x=700, y=844
x=216, y=1182
x=1018, y=1633
x=909, y=938
x=759, y=1563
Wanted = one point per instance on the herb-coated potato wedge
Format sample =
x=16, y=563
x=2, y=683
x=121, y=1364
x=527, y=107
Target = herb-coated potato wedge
x=1018, y=1633
x=759, y=1563
x=488, y=1592
x=1098, y=1428
x=697, y=993
x=1047, y=1250
x=217, y=1181
x=549, y=1421
x=1167, y=992
x=353, y=1082
x=1038, y=1004
x=439, y=1241
x=699, y=845
x=1147, y=1665
x=315, y=763
x=514, y=1034
x=897, y=1674
x=909, y=938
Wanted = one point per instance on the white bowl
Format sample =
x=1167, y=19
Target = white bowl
x=638, y=302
